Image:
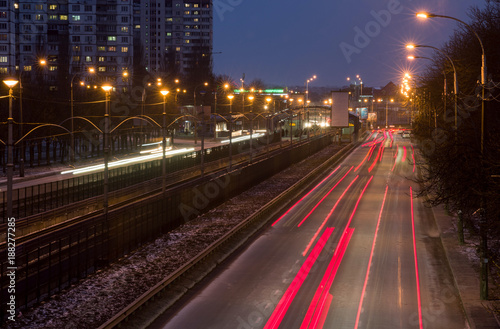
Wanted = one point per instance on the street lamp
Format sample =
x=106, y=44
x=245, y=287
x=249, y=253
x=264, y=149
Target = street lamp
x=455, y=81
x=251, y=98
x=72, y=148
x=164, y=140
x=10, y=154
x=230, y=129
x=484, y=261
x=483, y=64
x=307, y=86
x=107, y=89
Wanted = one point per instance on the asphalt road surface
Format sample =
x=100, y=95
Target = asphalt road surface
x=358, y=251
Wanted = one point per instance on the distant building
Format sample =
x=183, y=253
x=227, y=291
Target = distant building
x=175, y=35
x=70, y=35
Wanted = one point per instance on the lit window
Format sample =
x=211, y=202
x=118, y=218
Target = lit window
x=124, y=49
x=75, y=17
x=63, y=17
x=111, y=38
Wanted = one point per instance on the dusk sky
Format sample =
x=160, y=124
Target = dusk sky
x=286, y=42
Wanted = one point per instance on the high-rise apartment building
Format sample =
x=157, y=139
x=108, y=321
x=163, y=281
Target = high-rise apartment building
x=175, y=35
x=70, y=35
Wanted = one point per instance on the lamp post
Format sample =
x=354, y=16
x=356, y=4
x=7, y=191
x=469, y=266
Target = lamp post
x=251, y=98
x=230, y=129
x=72, y=147
x=107, y=89
x=307, y=86
x=164, y=141
x=194, y=105
x=455, y=81
x=483, y=65
x=484, y=261
x=291, y=122
x=10, y=156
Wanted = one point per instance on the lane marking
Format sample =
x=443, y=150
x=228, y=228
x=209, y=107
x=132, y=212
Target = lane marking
x=287, y=299
x=305, y=196
x=416, y=261
x=370, y=260
x=324, y=197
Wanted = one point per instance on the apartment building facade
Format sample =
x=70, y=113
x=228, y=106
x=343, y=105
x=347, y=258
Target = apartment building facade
x=175, y=35
x=75, y=37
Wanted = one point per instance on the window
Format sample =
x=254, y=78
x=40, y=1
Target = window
x=102, y=69
x=76, y=28
x=27, y=37
x=125, y=39
x=125, y=19
x=75, y=18
x=3, y=3
x=39, y=7
x=88, y=8
x=88, y=28
x=63, y=17
x=124, y=49
x=52, y=7
x=76, y=58
x=26, y=17
x=124, y=9
x=26, y=6
x=76, y=38
x=111, y=38
x=101, y=48
x=88, y=58
x=27, y=67
x=75, y=7
x=112, y=48
x=3, y=48
x=27, y=28
x=101, y=59
x=88, y=18
x=39, y=17
x=53, y=68
x=53, y=17
x=76, y=49
x=88, y=48
x=27, y=48
x=3, y=59
x=124, y=29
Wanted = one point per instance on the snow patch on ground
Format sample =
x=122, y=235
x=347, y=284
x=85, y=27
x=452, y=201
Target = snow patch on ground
x=101, y=295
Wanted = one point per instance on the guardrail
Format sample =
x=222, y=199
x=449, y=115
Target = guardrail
x=258, y=219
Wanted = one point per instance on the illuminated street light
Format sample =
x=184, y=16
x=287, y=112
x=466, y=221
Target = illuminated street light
x=251, y=98
x=10, y=154
x=230, y=129
x=455, y=82
x=72, y=146
x=107, y=89
x=425, y=15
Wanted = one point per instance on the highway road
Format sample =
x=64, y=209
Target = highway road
x=358, y=251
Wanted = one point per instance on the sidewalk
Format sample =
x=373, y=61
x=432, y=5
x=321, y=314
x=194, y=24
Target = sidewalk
x=466, y=277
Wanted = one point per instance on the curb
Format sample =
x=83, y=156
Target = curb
x=465, y=276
